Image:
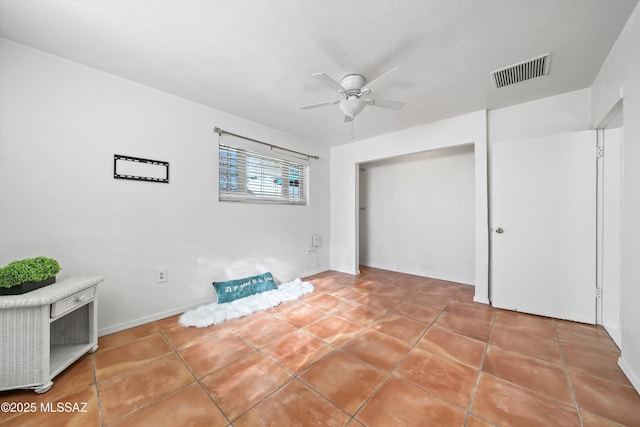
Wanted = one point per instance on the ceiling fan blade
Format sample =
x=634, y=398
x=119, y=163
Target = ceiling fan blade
x=385, y=103
x=376, y=82
x=319, y=104
x=348, y=119
x=328, y=81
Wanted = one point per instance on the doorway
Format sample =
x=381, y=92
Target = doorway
x=610, y=139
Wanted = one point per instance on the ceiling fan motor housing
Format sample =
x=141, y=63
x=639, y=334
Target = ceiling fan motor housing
x=353, y=83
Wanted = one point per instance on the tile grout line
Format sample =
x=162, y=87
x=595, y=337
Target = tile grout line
x=293, y=376
x=257, y=350
x=566, y=372
x=149, y=404
x=390, y=372
x=480, y=371
x=197, y=380
x=95, y=377
x=363, y=328
x=339, y=348
x=95, y=382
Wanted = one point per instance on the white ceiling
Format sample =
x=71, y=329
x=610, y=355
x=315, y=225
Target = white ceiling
x=254, y=58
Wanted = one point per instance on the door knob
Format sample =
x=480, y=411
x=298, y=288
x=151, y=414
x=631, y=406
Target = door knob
x=499, y=230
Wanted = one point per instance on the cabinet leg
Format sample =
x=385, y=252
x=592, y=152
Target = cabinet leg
x=93, y=349
x=45, y=388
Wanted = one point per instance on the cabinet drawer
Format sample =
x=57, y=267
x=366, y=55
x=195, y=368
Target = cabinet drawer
x=70, y=303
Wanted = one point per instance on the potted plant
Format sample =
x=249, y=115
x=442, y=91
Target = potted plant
x=27, y=275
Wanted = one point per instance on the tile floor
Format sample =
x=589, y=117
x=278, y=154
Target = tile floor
x=380, y=349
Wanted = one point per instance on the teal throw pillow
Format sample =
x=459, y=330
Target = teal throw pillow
x=233, y=289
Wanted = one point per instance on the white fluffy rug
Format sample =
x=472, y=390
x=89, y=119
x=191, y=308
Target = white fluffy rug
x=214, y=313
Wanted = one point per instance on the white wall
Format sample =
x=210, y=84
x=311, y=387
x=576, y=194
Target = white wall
x=345, y=160
x=60, y=125
x=418, y=214
x=569, y=112
x=618, y=78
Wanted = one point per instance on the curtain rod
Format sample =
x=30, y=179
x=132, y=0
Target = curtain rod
x=221, y=131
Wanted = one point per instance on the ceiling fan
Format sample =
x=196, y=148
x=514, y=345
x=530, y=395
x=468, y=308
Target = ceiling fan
x=354, y=88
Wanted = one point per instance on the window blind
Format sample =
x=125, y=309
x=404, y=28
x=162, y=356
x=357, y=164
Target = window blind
x=246, y=176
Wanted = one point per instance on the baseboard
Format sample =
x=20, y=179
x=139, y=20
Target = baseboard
x=309, y=273
x=481, y=299
x=179, y=310
x=615, y=334
x=634, y=377
x=151, y=318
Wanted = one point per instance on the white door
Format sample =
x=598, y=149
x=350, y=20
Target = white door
x=543, y=234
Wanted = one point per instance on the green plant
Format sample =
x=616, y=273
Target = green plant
x=28, y=270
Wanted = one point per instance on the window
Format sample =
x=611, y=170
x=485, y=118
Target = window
x=245, y=176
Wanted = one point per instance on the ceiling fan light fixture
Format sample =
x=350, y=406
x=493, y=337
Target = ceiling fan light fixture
x=352, y=106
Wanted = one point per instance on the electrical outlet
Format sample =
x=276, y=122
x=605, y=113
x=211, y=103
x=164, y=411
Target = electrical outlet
x=161, y=275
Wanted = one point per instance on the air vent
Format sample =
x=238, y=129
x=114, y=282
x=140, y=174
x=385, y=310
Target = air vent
x=522, y=71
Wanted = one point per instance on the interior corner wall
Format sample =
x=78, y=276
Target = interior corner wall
x=60, y=125
x=618, y=78
x=345, y=160
x=417, y=214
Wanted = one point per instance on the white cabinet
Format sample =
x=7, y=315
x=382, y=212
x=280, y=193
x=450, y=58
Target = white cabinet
x=44, y=331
